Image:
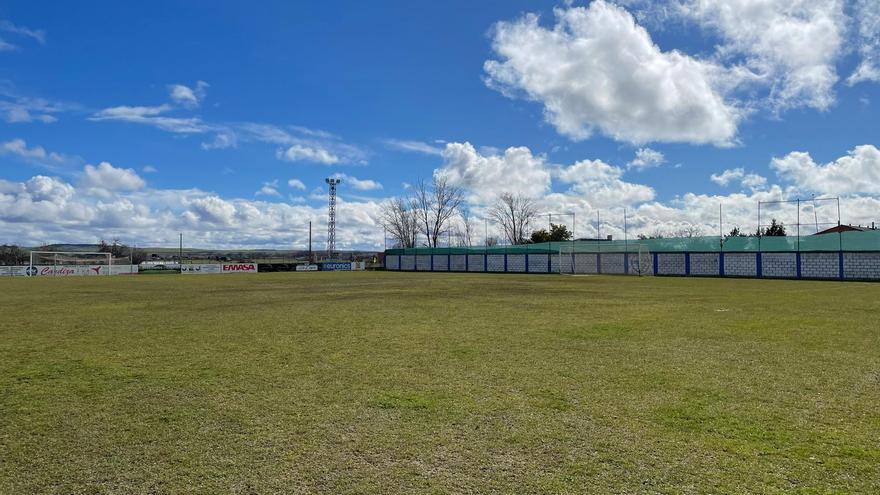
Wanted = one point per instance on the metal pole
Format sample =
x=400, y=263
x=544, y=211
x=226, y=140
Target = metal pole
x=310, y=242
x=839, y=233
x=384, y=235
x=180, y=253
x=799, y=224
x=487, y=231
x=720, y=228
x=759, y=226
x=625, y=235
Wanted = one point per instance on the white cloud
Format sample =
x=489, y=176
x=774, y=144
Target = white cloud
x=646, y=158
x=105, y=179
x=222, y=140
x=728, y=176
x=754, y=181
x=149, y=169
x=37, y=34
x=600, y=184
x=597, y=69
x=153, y=116
x=296, y=184
x=5, y=46
x=298, y=152
x=269, y=189
x=186, y=96
x=413, y=146
x=867, y=14
x=50, y=209
x=790, y=45
x=359, y=184
x=857, y=172
x=486, y=176
x=734, y=175
x=16, y=108
x=36, y=154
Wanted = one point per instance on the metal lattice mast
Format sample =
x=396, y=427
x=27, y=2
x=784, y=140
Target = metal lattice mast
x=331, y=221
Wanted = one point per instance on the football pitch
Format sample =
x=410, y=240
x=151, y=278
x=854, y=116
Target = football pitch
x=438, y=383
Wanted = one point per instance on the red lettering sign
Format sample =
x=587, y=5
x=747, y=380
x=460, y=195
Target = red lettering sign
x=248, y=267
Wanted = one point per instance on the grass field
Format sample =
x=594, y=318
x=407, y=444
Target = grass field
x=438, y=383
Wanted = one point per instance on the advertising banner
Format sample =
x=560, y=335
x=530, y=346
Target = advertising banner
x=13, y=271
x=306, y=268
x=66, y=270
x=219, y=268
x=336, y=266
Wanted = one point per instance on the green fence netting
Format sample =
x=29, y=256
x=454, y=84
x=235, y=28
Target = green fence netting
x=844, y=241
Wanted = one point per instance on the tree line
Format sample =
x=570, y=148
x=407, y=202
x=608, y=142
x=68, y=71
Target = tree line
x=435, y=212
x=13, y=255
x=436, y=209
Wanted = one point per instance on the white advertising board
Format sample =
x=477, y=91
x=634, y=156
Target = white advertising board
x=66, y=270
x=306, y=268
x=218, y=268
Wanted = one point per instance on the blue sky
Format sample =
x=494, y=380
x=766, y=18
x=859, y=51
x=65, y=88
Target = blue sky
x=136, y=121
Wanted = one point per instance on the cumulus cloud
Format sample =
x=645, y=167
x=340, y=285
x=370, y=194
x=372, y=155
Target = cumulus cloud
x=867, y=14
x=296, y=184
x=516, y=170
x=791, y=46
x=857, y=172
x=301, y=153
x=34, y=154
x=597, y=69
x=601, y=185
x=269, y=189
x=104, y=179
x=149, y=169
x=646, y=158
x=50, y=209
x=187, y=96
x=739, y=175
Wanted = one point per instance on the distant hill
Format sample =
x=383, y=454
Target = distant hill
x=80, y=248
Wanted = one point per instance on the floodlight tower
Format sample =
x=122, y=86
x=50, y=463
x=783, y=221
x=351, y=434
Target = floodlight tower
x=331, y=221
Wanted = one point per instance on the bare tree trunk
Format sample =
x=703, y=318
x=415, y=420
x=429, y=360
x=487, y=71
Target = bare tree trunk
x=467, y=230
x=436, y=204
x=514, y=213
x=401, y=221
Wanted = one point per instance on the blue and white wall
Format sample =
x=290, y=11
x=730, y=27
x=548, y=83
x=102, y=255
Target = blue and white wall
x=791, y=265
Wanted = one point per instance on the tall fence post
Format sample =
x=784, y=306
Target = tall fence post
x=759, y=265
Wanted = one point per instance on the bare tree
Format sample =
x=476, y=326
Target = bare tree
x=401, y=221
x=466, y=227
x=514, y=212
x=689, y=230
x=13, y=255
x=436, y=204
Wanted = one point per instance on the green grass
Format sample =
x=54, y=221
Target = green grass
x=438, y=383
